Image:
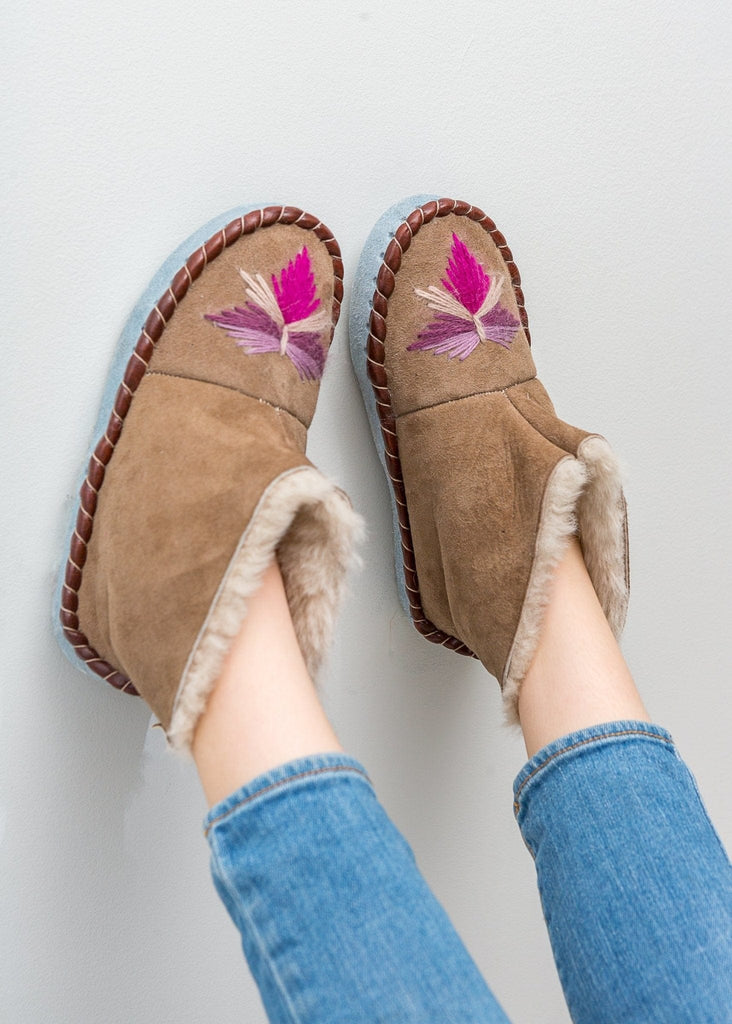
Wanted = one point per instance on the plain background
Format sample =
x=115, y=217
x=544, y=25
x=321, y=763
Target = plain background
x=597, y=136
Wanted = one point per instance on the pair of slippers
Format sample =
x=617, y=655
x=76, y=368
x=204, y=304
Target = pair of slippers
x=198, y=476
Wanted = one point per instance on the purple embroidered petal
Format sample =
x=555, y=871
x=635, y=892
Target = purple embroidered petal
x=307, y=353
x=447, y=334
x=460, y=346
x=466, y=279
x=444, y=325
x=246, y=323
x=295, y=291
x=256, y=344
x=500, y=325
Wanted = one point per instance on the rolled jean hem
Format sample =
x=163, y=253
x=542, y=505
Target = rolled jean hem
x=289, y=774
x=573, y=744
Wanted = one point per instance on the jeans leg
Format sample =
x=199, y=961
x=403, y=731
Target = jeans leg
x=336, y=921
x=635, y=884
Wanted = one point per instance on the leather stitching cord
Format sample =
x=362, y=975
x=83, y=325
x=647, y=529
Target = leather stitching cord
x=284, y=782
x=152, y=331
x=583, y=743
x=375, y=351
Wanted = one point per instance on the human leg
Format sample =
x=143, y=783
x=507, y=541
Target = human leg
x=263, y=710
x=578, y=676
x=635, y=884
x=336, y=921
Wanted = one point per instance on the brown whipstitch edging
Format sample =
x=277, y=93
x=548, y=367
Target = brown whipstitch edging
x=152, y=331
x=385, y=282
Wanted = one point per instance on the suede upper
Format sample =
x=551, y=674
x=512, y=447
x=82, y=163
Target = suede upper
x=475, y=473
x=189, y=468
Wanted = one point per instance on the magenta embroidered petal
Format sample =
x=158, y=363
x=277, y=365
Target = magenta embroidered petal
x=295, y=291
x=307, y=354
x=466, y=279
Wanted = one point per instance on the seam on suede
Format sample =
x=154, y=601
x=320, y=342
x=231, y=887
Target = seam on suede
x=582, y=743
x=462, y=398
x=216, y=384
x=282, y=782
x=570, y=451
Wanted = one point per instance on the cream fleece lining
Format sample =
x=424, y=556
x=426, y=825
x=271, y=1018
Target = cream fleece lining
x=310, y=525
x=585, y=495
x=602, y=514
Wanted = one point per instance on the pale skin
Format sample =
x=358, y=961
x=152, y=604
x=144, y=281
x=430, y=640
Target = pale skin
x=264, y=710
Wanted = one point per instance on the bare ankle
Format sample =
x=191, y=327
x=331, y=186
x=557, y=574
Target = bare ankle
x=578, y=676
x=264, y=710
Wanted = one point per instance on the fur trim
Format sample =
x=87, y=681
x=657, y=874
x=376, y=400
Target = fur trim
x=310, y=525
x=602, y=518
x=583, y=495
x=556, y=525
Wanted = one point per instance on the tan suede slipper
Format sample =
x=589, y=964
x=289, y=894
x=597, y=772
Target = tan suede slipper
x=199, y=476
x=487, y=483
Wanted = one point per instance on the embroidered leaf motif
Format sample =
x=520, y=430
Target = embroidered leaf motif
x=467, y=280
x=468, y=311
x=284, y=318
x=295, y=292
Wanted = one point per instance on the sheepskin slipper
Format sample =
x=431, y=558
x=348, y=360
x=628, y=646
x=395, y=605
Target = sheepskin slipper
x=487, y=484
x=198, y=476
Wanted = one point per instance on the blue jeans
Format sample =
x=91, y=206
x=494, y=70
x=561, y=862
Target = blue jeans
x=338, y=924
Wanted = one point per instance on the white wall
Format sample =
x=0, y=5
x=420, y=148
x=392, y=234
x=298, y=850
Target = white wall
x=596, y=135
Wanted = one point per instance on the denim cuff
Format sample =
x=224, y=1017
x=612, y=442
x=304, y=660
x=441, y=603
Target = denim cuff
x=301, y=769
x=575, y=744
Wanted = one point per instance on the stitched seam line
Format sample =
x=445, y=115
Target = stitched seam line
x=462, y=398
x=282, y=782
x=238, y=902
x=229, y=387
x=582, y=743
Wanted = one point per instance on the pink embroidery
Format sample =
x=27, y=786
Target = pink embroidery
x=284, y=318
x=468, y=312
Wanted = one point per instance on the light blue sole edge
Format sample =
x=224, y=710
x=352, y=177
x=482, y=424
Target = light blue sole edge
x=122, y=354
x=359, y=317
